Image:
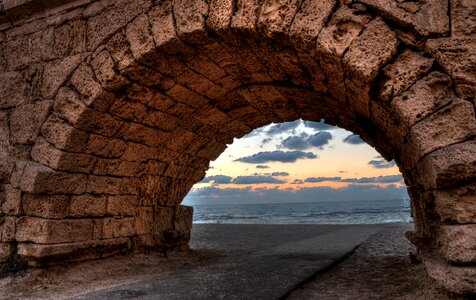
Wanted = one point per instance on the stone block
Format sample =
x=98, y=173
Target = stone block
x=104, y=185
x=4, y=128
x=37, y=178
x=105, y=24
x=9, y=229
x=46, y=154
x=276, y=17
x=462, y=18
x=456, y=205
x=219, y=14
x=121, y=205
x=245, y=15
x=106, y=71
x=183, y=218
x=190, y=20
x=46, y=206
x=144, y=220
x=457, y=56
x=42, y=255
x=161, y=120
x=403, y=73
x=105, y=147
x=13, y=89
x=366, y=55
x=448, y=167
x=424, y=98
x=139, y=35
x=427, y=18
x=163, y=218
x=458, y=243
x=45, y=231
x=64, y=136
x=117, y=167
x=56, y=73
x=93, y=95
x=146, y=135
x=88, y=206
x=458, y=279
x=26, y=121
x=127, y=109
x=117, y=227
x=309, y=21
x=6, y=251
x=449, y=125
x=12, y=206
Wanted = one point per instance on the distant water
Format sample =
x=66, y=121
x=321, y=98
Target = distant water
x=349, y=212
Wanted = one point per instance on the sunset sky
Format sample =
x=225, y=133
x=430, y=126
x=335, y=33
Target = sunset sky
x=298, y=161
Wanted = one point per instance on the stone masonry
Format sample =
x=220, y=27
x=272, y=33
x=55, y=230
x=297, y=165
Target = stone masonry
x=110, y=110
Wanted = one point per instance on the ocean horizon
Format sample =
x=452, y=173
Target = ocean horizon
x=338, y=212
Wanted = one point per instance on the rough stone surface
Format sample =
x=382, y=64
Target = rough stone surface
x=111, y=111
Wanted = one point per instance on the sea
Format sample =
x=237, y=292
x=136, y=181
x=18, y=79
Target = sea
x=342, y=212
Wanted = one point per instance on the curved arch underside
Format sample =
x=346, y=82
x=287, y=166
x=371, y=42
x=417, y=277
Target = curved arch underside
x=110, y=112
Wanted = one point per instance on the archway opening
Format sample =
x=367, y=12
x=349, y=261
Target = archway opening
x=300, y=172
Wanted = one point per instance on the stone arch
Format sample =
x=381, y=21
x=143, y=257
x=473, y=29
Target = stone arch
x=139, y=96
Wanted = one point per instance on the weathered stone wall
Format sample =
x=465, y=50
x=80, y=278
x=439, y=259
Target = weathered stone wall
x=111, y=110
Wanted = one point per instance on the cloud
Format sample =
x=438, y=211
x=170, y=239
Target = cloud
x=213, y=195
x=322, y=179
x=381, y=163
x=319, y=125
x=304, y=141
x=219, y=179
x=353, y=139
x=379, y=179
x=262, y=167
x=320, y=139
x=283, y=127
x=297, y=181
x=276, y=156
x=296, y=142
x=256, y=179
x=280, y=174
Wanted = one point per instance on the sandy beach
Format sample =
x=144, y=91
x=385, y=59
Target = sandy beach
x=378, y=267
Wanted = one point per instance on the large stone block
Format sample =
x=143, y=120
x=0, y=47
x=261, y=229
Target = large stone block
x=183, y=218
x=458, y=279
x=276, y=17
x=456, y=205
x=26, y=121
x=190, y=20
x=88, y=206
x=139, y=35
x=37, y=178
x=163, y=218
x=13, y=89
x=458, y=243
x=9, y=229
x=121, y=205
x=46, y=206
x=56, y=73
x=118, y=227
x=41, y=255
x=448, y=167
x=117, y=167
x=45, y=231
x=106, y=71
x=403, y=73
x=46, y=154
x=449, y=125
x=64, y=136
x=144, y=220
x=106, y=147
x=6, y=251
x=12, y=205
x=146, y=135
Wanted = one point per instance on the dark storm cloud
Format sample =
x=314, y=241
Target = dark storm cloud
x=262, y=167
x=276, y=156
x=353, y=139
x=319, y=125
x=280, y=174
x=256, y=179
x=283, y=127
x=305, y=141
x=219, y=179
x=322, y=179
x=296, y=142
x=380, y=163
x=320, y=139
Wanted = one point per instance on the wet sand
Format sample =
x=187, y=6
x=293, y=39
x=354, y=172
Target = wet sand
x=379, y=268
